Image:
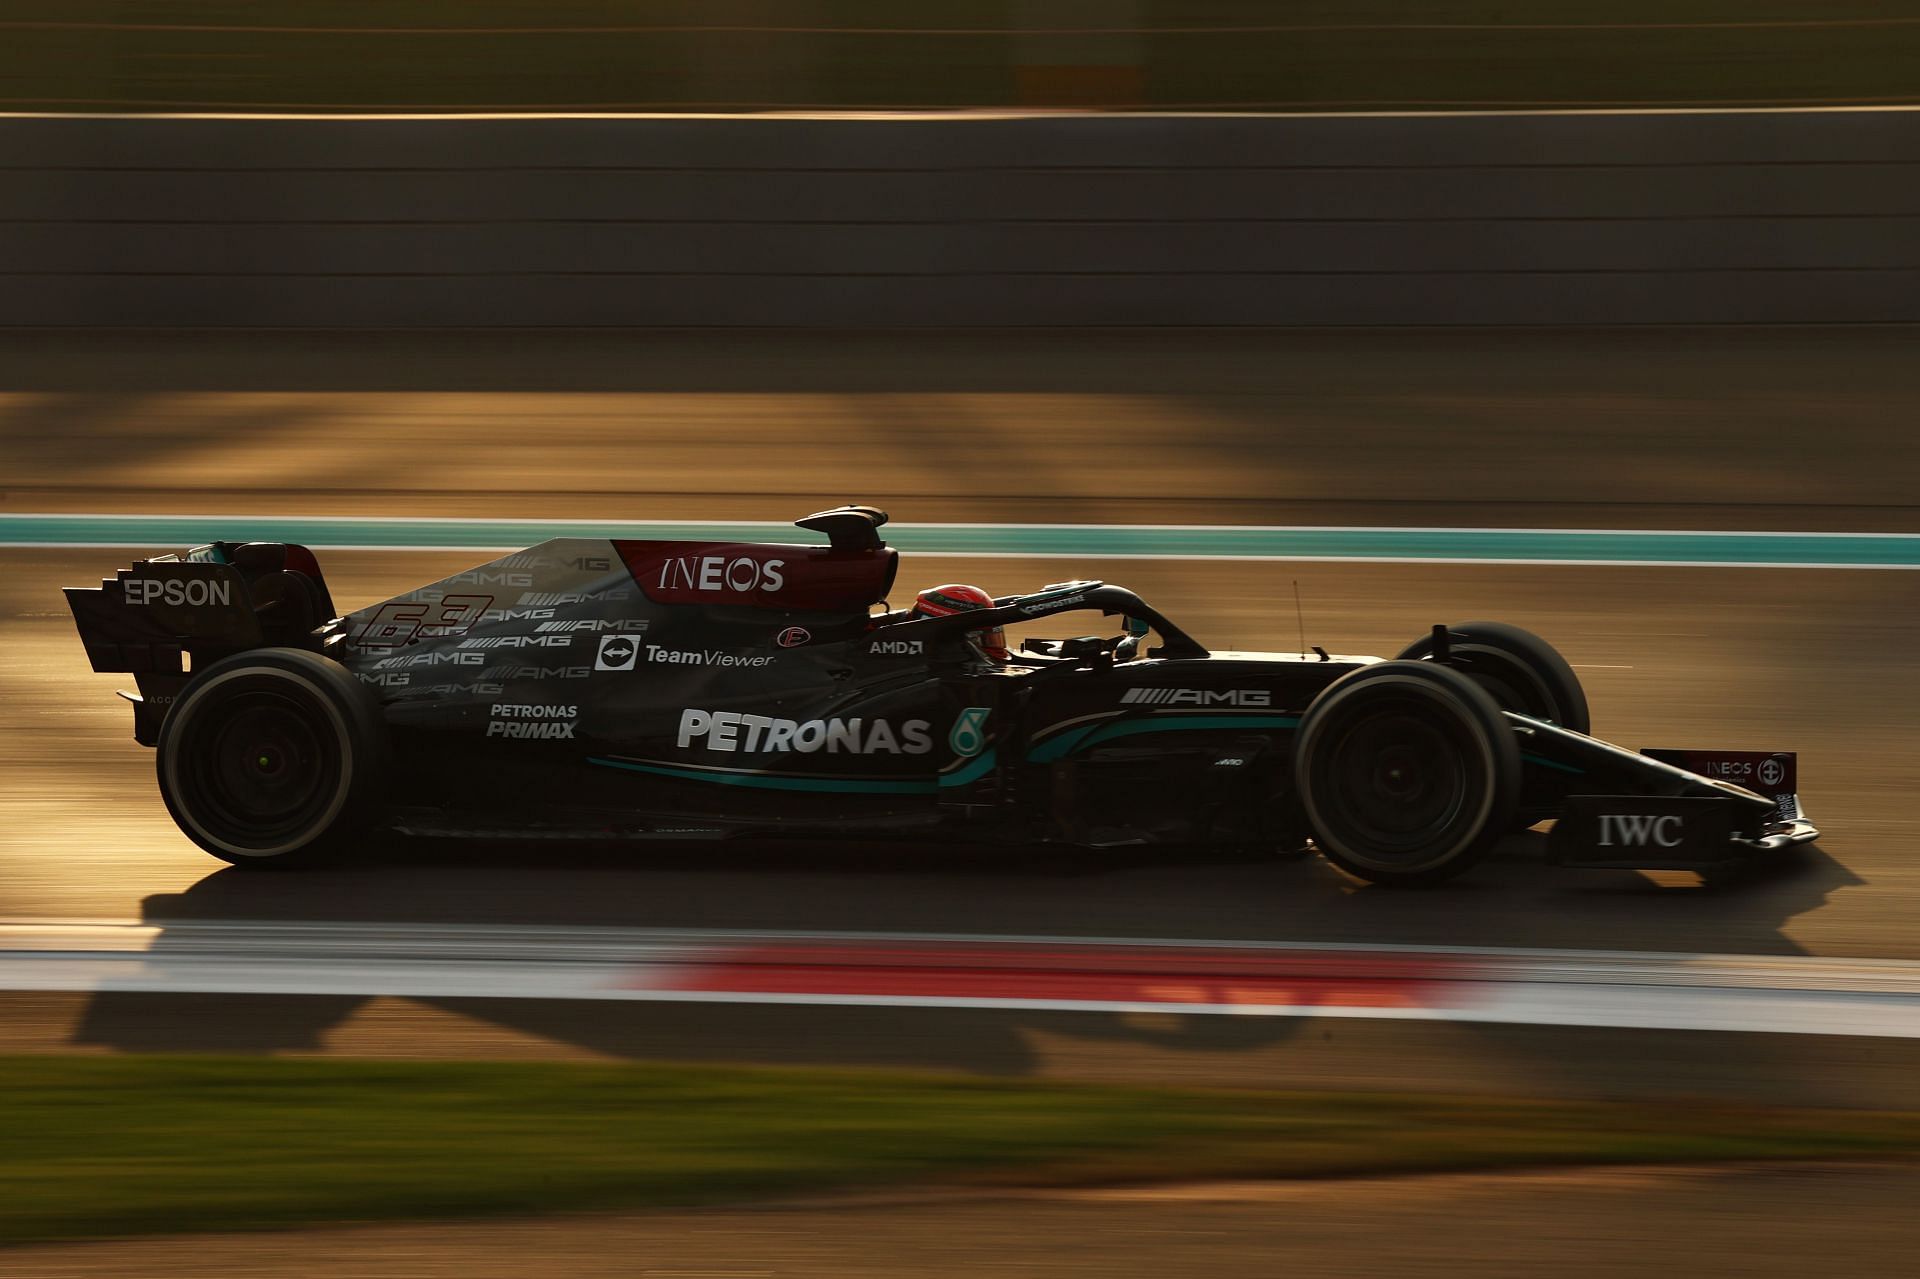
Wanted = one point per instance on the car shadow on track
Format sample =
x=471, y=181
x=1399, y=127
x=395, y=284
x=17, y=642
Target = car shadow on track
x=1516, y=898
x=1513, y=900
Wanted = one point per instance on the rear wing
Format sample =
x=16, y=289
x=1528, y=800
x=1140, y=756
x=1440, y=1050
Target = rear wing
x=164, y=617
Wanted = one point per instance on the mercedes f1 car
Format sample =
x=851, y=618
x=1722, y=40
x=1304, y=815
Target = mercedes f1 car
x=616, y=689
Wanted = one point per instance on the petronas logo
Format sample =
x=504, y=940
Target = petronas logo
x=969, y=735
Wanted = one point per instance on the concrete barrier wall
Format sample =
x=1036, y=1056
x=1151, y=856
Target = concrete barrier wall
x=1716, y=217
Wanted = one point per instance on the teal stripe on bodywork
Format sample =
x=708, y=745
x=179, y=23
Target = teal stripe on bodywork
x=1077, y=739
x=1544, y=762
x=972, y=772
x=1462, y=545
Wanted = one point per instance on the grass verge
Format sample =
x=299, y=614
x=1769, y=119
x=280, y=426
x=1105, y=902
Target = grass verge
x=99, y=1147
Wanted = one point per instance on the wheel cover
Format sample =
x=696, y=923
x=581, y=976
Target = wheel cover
x=258, y=769
x=1397, y=783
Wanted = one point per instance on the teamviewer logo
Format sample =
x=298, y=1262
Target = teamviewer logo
x=617, y=653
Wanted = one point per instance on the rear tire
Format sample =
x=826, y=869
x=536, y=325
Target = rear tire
x=1407, y=771
x=275, y=757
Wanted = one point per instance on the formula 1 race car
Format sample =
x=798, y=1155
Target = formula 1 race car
x=615, y=689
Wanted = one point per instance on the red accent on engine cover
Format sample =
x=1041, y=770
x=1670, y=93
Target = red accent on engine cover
x=812, y=579
x=302, y=560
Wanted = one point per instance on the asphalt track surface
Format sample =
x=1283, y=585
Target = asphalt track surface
x=1662, y=428
x=1769, y=429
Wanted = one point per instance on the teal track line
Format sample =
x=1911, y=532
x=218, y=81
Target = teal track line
x=1090, y=541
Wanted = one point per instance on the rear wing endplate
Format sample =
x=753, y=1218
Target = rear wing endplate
x=143, y=618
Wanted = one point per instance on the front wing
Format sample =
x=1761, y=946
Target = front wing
x=1661, y=809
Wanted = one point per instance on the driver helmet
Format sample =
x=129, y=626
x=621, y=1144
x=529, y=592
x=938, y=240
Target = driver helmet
x=956, y=597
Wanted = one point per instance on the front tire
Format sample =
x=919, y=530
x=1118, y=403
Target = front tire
x=1407, y=771
x=275, y=757
x=1522, y=671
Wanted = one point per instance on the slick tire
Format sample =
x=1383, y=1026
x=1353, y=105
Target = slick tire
x=1407, y=772
x=274, y=758
x=1522, y=671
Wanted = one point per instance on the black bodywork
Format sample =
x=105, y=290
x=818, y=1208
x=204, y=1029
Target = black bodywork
x=628, y=689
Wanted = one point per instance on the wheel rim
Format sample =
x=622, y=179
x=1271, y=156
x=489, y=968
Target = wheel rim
x=262, y=770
